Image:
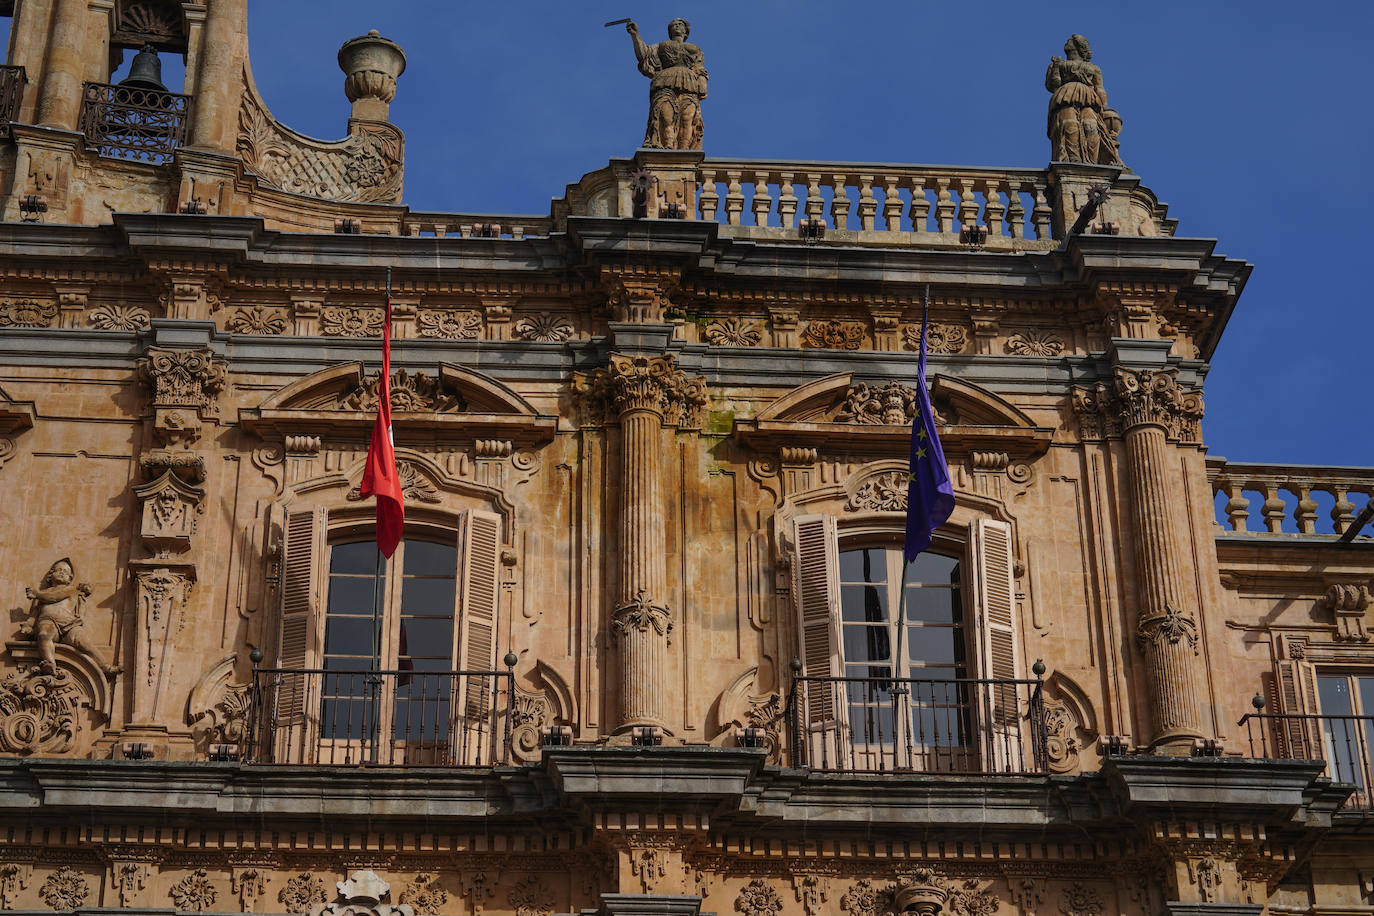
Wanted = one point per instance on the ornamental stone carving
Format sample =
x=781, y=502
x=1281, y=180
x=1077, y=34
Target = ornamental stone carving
x=416, y=487
x=757, y=898
x=543, y=328
x=363, y=894
x=119, y=318
x=344, y=321
x=650, y=384
x=449, y=324
x=425, y=895
x=65, y=889
x=302, y=893
x=640, y=616
x=183, y=378
x=1349, y=603
x=38, y=712
x=257, y=319
x=861, y=899
x=366, y=166
x=733, y=332
x=1079, y=899
x=1035, y=343
x=14, y=877
x=968, y=899
x=1136, y=398
x=812, y=891
x=893, y=404
x=249, y=884
x=171, y=507
x=26, y=313
x=677, y=70
x=194, y=892
x=1081, y=127
x=829, y=334
x=921, y=892
x=884, y=493
x=940, y=338
x=531, y=897
x=55, y=617
x=417, y=393
x=1172, y=627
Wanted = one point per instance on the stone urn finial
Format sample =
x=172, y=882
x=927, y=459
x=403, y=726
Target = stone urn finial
x=371, y=65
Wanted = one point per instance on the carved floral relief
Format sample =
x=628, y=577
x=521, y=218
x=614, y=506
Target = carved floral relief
x=757, y=898
x=940, y=338
x=733, y=332
x=343, y=321
x=194, y=892
x=257, y=319
x=449, y=324
x=544, y=328
x=829, y=334
x=302, y=893
x=26, y=313
x=1035, y=343
x=119, y=318
x=65, y=889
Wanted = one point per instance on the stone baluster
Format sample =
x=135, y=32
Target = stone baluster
x=1237, y=505
x=1274, y=509
x=734, y=198
x=709, y=197
x=839, y=204
x=763, y=199
x=892, y=204
x=787, y=201
x=1016, y=211
x=1042, y=216
x=1306, y=510
x=993, y=207
x=868, y=205
x=815, y=204
x=1343, y=512
x=968, y=206
x=944, y=206
x=920, y=206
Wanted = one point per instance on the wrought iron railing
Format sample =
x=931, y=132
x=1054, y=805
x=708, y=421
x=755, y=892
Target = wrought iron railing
x=12, y=82
x=965, y=725
x=130, y=122
x=1343, y=743
x=390, y=718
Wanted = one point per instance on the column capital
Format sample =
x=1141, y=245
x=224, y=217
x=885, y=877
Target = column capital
x=639, y=383
x=1139, y=397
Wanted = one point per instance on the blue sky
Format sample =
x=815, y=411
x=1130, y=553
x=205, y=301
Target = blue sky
x=1252, y=120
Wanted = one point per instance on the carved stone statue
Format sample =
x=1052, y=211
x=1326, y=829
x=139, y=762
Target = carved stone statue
x=56, y=609
x=678, y=73
x=1080, y=126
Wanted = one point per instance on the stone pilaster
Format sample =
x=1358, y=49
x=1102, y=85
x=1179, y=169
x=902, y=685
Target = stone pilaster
x=1147, y=409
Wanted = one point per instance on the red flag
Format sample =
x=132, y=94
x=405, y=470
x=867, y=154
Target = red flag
x=380, y=478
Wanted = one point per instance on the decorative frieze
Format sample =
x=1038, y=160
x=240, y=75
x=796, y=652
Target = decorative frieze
x=342, y=321
x=733, y=332
x=257, y=319
x=940, y=338
x=27, y=313
x=545, y=328
x=830, y=334
x=1035, y=343
x=449, y=324
x=119, y=318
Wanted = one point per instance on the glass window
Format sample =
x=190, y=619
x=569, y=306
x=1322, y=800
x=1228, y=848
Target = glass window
x=1347, y=721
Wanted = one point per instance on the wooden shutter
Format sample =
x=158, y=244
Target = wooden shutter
x=1297, y=690
x=305, y=570
x=816, y=590
x=479, y=587
x=999, y=641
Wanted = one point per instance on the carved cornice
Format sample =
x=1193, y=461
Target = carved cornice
x=1145, y=397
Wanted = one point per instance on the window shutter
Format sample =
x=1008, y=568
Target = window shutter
x=1297, y=689
x=815, y=586
x=1000, y=658
x=479, y=586
x=305, y=559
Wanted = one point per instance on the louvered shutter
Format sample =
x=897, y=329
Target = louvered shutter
x=999, y=705
x=304, y=568
x=1297, y=689
x=816, y=590
x=479, y=586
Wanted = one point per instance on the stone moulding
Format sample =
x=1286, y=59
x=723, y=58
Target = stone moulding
x=367, y=166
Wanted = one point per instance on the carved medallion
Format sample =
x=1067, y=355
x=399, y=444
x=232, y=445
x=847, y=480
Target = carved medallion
x=38, y=712
x=449, y=324
x=1035, y=343
x=543, y=328
x=833, y=335
x=893, y=404
x=417, y=393
x=257, y=319
x=339, y=321
x=425, y=894
x=301, y=893
x=940, y=338
x=758, y=899
x=26, y=313
x=118, y=318
x=733, y=332
x=884, y=493
x=531, y=897
x=65, y=889
x=194, y=892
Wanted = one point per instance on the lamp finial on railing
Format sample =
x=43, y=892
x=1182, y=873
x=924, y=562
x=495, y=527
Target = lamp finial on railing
x=1257, y=701
x=1038, y=669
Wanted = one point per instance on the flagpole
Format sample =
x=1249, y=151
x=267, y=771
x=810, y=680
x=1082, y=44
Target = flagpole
x=383, y=390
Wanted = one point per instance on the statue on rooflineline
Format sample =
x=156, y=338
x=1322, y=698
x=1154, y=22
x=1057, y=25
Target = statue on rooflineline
x=677, y=69
x=56, y=608
x=1081, y=126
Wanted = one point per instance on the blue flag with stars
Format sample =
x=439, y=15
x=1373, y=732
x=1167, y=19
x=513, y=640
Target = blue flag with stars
x=929, y=493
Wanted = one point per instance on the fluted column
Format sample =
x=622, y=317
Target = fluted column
x=59, y=96
x=1147, y=409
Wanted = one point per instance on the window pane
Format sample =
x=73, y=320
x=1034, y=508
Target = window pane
x=358, y=558
x=428, y=596
x=350, y=595
x=867, y=564
x=1365, y=687
x=426, y=558
x=864, y=602
x=1334, y=695
x=933, y=605
x=348, y=635
x=933, y=569
x=866, y=644
x=931, y=646
x=426, y=637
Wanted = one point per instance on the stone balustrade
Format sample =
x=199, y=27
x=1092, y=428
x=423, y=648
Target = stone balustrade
x=904, y=203
x=1291, y=499
x=475, y=225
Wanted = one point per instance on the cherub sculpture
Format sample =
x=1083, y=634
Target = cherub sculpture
x=56, y=609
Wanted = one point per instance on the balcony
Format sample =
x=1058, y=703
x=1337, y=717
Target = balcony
x=12, y=82
x=1341, y=742
x=384, y=718
x=132, y=122
x=907, y=725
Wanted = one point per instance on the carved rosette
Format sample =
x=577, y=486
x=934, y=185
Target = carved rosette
x=65, y=889
x=301, y=893
x=757, y=898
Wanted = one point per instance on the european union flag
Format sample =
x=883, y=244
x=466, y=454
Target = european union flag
x=929, y=493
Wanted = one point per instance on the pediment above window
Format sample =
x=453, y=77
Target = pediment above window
x=835, y=413
x=448, y=403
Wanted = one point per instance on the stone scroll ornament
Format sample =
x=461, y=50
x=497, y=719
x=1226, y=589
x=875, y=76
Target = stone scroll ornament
x=1081, y=127
x=677, y=70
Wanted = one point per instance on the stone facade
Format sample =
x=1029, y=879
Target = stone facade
x=652, y=447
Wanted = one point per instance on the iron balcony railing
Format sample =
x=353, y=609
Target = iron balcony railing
x=1343, y=743
x=130, y=122
x=389, y=718
x=12, y=82
x=965, y=725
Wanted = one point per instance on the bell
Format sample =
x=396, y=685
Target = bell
x=145, y=72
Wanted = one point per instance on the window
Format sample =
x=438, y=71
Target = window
x=931, y=688
x=393, y=667
x=1347, y=706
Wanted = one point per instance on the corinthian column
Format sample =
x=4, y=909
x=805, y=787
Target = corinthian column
x=644, y=393
x=1148, y=409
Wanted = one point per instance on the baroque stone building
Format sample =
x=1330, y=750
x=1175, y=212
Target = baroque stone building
x=647, y=646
